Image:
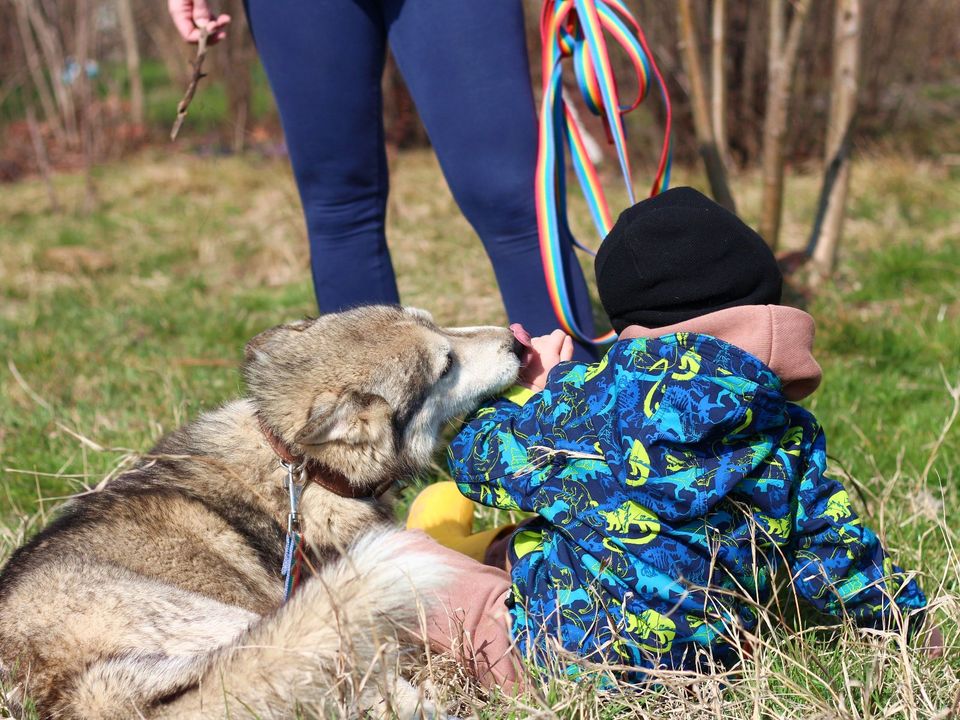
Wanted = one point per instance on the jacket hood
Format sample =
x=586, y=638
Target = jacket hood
x=780, y=337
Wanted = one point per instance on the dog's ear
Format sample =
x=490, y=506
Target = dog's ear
x=263, y=342
x=419, y=313
x=352, y=417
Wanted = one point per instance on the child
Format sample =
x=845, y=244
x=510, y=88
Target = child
x=671, y=479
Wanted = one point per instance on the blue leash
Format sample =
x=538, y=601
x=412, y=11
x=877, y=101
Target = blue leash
x=293, y=550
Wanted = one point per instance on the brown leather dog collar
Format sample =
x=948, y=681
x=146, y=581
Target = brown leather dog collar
x=314, y=472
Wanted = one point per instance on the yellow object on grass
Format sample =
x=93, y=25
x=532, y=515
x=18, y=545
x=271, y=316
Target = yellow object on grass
x=447, y=516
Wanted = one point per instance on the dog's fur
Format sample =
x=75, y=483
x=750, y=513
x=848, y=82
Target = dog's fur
x=161, y=595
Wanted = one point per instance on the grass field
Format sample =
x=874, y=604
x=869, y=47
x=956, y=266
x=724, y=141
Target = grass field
x=117, y=326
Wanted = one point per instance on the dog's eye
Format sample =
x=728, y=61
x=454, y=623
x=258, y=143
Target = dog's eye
x=448, y=365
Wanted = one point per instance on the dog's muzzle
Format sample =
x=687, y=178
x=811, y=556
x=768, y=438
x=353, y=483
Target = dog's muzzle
x=521, y=340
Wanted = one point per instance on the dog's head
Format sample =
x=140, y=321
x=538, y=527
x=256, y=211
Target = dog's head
x=366, y=391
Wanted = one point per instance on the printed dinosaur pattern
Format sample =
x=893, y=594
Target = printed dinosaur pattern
x=670, y=481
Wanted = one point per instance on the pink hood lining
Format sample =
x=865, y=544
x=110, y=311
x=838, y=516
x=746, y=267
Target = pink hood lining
x=780, y=336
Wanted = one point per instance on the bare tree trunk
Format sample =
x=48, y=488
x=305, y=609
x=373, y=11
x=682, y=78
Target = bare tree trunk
x=712, y=161
x=85, y=99
x=781, y=61
x=718, y=79
x=843, y=104
x=53, y=54
x=773, y=129
x=43, y=160
x=235, y=62
x=747, y=120
x=128, y=28
x=32, y=54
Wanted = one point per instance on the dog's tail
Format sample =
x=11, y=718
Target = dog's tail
x=332, y=649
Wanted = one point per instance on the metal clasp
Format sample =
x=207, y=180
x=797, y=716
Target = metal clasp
x=293, y=483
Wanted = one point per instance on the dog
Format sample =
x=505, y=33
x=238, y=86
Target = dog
x=161, y=595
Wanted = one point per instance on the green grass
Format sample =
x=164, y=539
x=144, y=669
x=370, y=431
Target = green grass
x=209, y=111
x=117, y=326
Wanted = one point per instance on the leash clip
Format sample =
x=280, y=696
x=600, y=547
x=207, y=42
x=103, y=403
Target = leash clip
x=293, y=483
x=293, y=470
x=294, y=523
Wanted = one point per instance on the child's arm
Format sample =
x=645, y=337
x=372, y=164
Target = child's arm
x=490, y=459
x=838, y=564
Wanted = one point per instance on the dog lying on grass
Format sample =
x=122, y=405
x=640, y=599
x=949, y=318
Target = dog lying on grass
x=161, y=594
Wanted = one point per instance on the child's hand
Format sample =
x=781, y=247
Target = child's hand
x=542, y=355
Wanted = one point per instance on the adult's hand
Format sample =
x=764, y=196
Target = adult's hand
x=191, y=15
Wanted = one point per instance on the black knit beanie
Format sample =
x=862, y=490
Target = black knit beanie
x=679, y=255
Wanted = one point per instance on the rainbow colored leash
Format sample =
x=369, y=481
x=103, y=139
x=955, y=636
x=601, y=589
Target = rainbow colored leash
x=575, y=28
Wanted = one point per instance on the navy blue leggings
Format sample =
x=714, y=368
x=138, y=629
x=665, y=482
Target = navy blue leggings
x=465, y=63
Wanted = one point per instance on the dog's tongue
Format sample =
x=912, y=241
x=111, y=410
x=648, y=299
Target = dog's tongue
x=522, y=336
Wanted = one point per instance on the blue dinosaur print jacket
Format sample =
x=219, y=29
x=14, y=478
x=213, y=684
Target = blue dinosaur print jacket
x=669, y=481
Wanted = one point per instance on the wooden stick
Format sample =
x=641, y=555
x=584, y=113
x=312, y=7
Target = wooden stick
x=198, y=75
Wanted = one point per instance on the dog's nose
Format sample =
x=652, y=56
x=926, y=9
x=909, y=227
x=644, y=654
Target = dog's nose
x=517, y=348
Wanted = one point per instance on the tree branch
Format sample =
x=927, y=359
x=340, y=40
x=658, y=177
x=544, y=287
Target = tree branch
x=198, y=75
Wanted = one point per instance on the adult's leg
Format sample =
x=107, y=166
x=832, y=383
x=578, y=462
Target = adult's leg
x=324, y=59
x=466, y=65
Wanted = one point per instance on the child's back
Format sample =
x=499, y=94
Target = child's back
x=674, y=476
x=671, y=479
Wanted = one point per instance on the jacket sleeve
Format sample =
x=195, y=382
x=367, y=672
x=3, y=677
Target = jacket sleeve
x=495, y=459
x=838, y=564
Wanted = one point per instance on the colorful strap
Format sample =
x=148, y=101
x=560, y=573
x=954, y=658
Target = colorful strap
x=292, y=564
x=575, y=29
